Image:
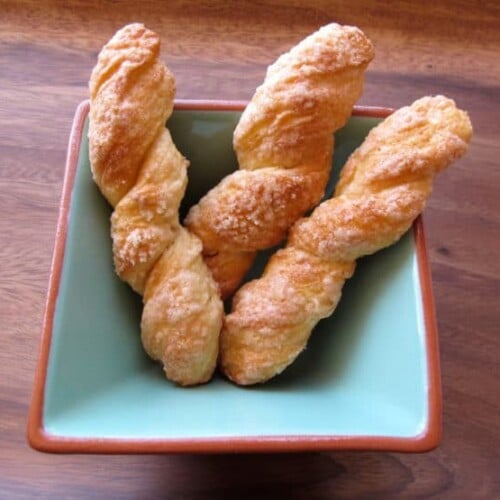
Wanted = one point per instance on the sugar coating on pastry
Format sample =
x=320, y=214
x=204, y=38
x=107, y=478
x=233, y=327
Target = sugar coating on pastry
x=284, y=144
x=182, y=310
x=132, y=95
x=146, y=220
x=139, y=170
x=382, y=189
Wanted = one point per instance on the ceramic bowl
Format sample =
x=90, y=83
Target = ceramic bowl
x=369, y=378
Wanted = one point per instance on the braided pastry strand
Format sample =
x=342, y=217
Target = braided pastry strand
x=382, y=189
x=284, y=146
x=131, y=97
x=142, y=174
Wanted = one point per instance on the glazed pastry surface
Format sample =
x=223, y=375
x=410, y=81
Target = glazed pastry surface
x=284, y=146
x=142, y=174
x=382, y=189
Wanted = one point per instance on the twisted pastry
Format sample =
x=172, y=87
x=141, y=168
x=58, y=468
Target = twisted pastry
x=142, y=174
x=131, y=97
x=284, y=145
x=382, y=189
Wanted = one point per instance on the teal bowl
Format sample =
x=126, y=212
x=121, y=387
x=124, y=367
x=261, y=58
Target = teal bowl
x=369, y=378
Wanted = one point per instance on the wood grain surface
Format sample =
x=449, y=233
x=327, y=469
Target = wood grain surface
x=220, y=49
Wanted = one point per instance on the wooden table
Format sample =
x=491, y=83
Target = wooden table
x=220, y=50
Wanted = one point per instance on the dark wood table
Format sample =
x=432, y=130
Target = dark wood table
x=220, y=50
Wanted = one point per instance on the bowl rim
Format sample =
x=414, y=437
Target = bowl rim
x=40, y=439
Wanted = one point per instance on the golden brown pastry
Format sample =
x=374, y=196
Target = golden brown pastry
x=131, y=97
x=382, y=189
x=146, y=220
x=142, y=174
x=284, y=145
x=183, y=313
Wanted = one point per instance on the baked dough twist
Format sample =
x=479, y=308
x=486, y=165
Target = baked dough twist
x=131, y=97
x=284, y=145
x=382, y=189
x=142, y=174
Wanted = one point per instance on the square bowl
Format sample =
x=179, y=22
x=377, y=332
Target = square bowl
x=369, y=378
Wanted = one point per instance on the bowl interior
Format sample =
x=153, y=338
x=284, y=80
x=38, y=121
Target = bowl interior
x=364, y=371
